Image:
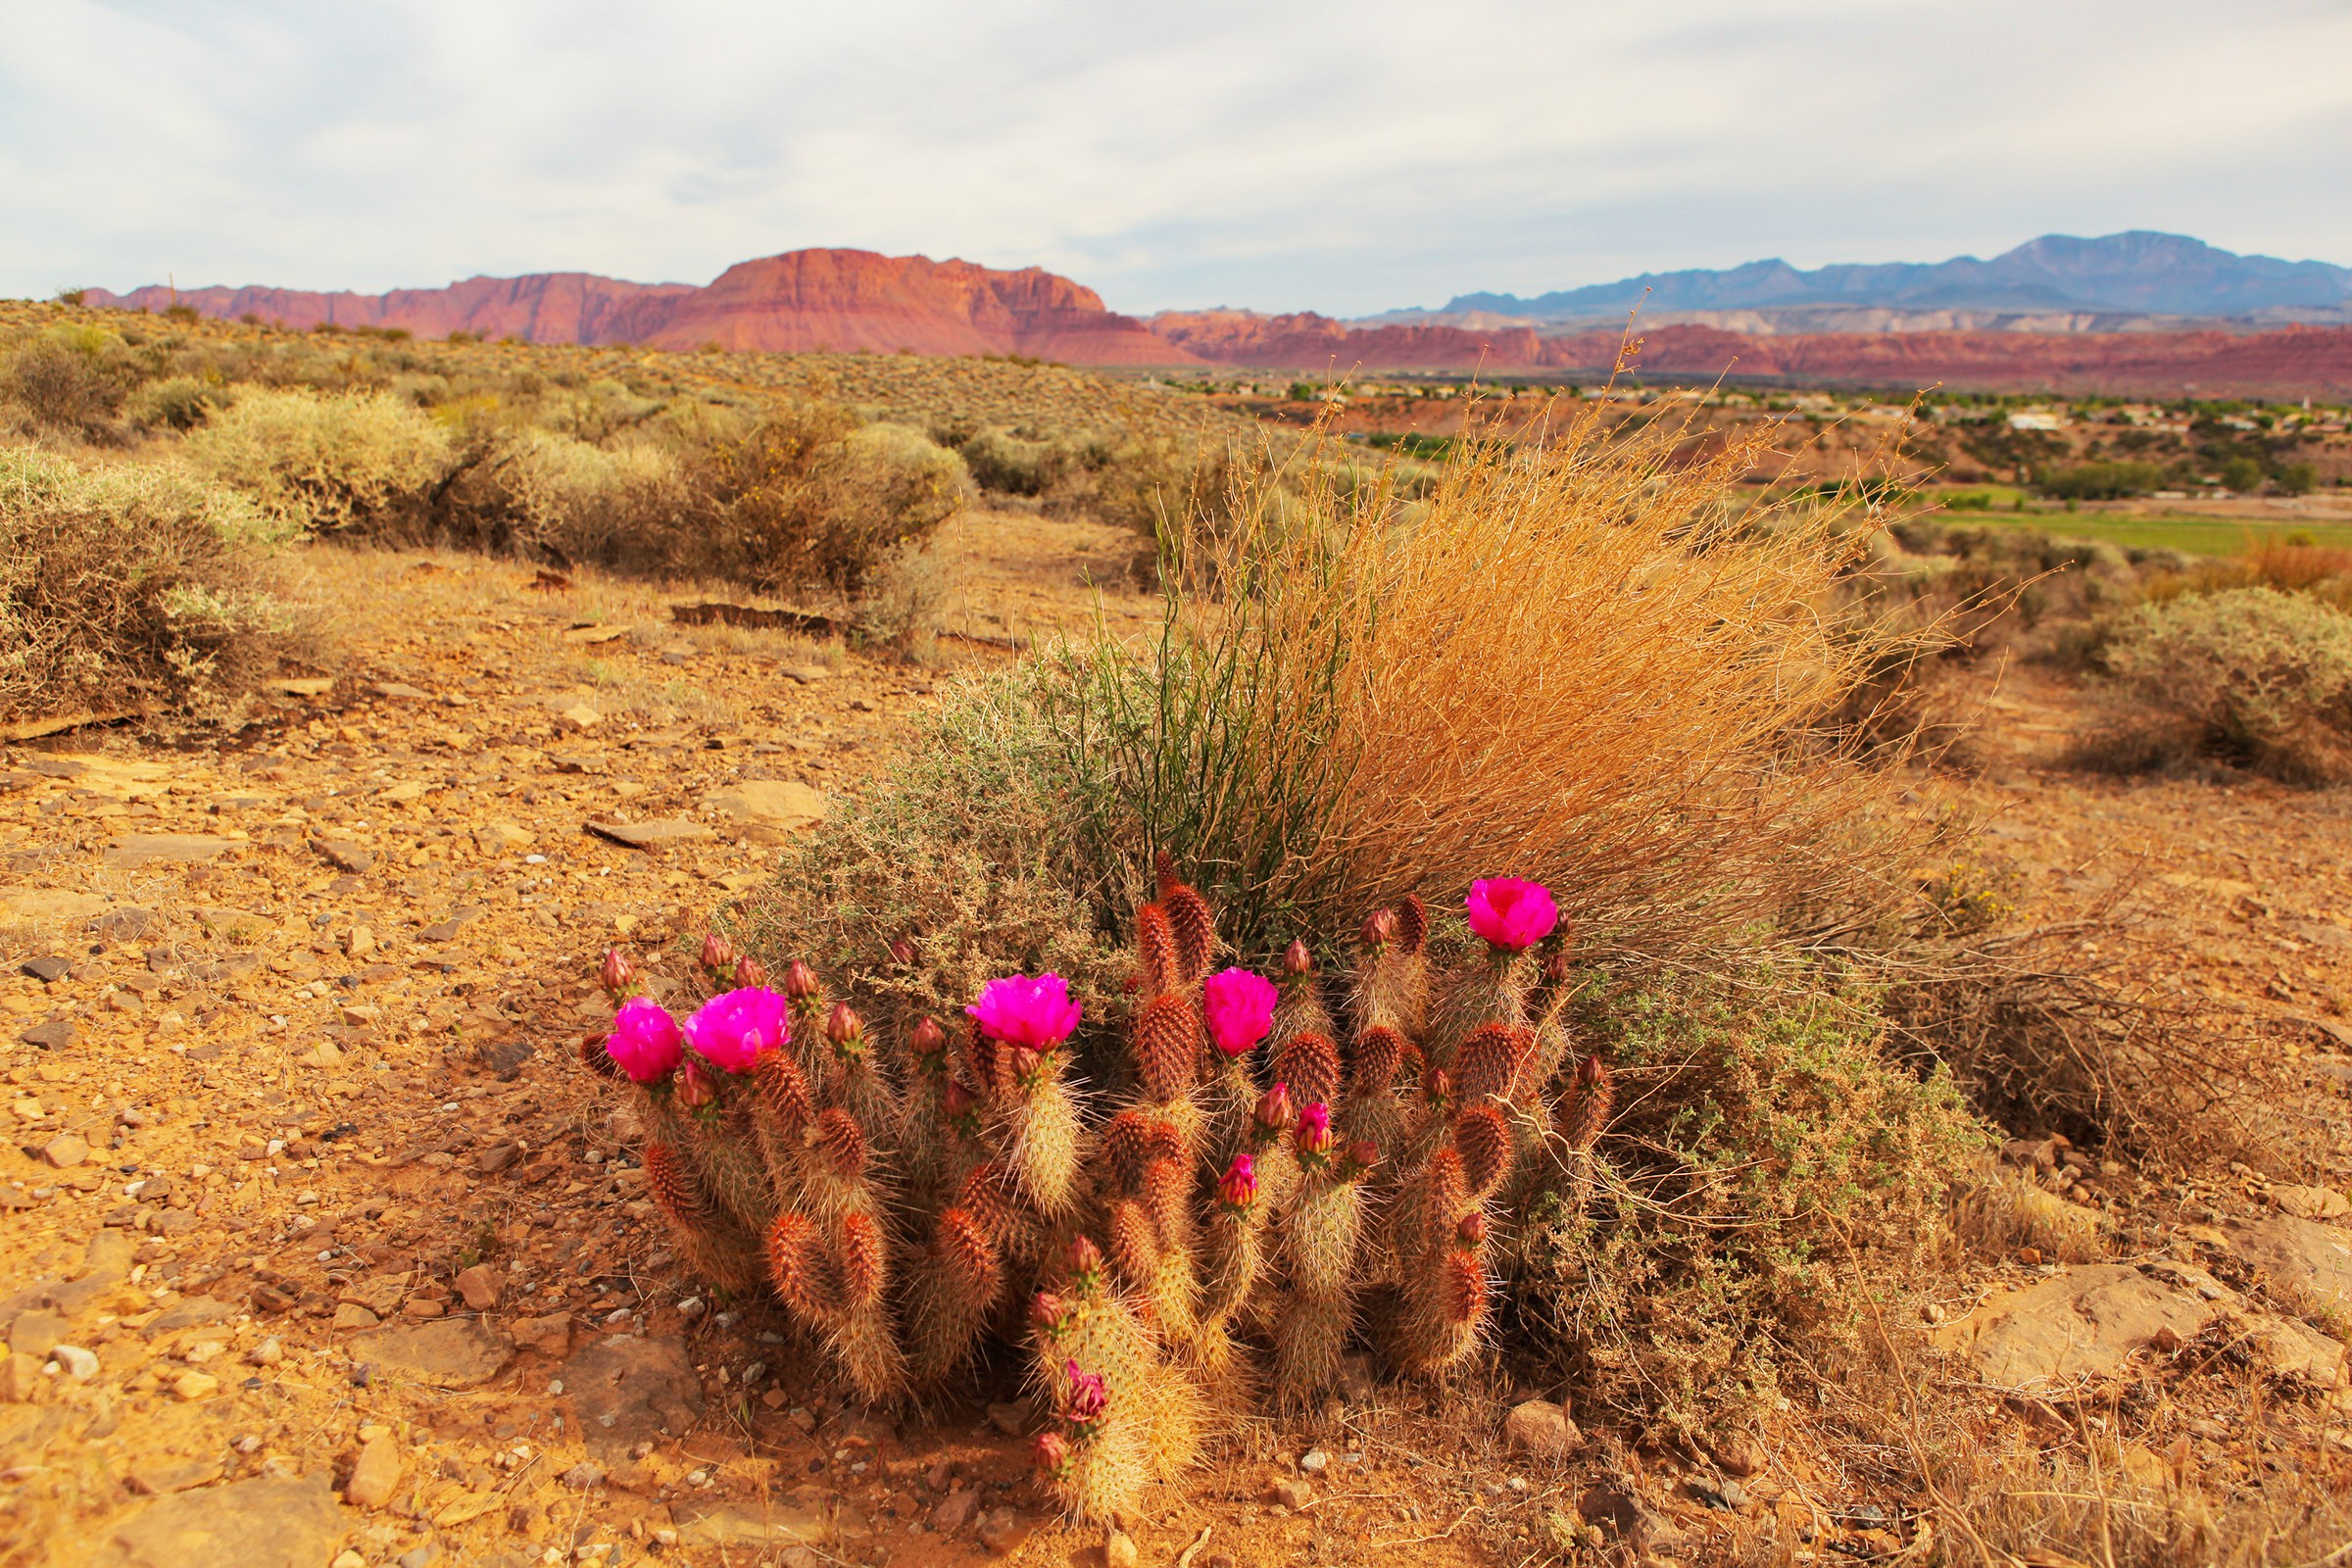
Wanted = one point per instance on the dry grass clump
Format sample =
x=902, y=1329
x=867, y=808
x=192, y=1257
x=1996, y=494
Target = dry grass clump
x=122, y=587
x=2253, y=676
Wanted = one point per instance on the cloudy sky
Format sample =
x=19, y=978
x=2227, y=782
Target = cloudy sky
x=1298, y=154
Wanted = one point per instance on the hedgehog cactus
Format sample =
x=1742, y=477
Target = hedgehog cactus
x=1236, y=1217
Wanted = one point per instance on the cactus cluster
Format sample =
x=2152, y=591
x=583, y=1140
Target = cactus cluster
x=1266, y=1187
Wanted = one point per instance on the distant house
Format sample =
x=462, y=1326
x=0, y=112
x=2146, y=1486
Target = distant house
x=2035, y=419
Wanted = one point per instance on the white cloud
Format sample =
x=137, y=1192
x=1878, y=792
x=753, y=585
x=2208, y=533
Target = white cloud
x=1340, y=157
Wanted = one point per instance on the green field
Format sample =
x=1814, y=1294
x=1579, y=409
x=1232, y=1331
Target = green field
x=2194, y=536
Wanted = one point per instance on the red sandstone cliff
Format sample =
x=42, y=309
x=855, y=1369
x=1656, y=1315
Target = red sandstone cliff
x=817, y=299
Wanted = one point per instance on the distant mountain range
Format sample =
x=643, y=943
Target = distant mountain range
x=2138, y=274
x=2142, y=314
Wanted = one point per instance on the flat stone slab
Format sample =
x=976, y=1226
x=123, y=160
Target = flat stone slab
x=655, y=835
x=2083, y=1324
x=625, y=1390
x=449, y=1353
x=50, y=903
x=185, y=848
x=781, y=1524
x=770, y=803
x=247, y=1523
x=2309, y=1258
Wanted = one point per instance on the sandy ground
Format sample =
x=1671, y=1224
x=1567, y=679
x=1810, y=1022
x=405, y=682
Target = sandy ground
x=318, y=1246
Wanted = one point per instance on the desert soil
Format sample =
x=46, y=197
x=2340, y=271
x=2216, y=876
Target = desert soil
x=320, y=1246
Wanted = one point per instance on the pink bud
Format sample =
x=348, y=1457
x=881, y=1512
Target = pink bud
x=1297, y=959
x=1363, y=1153
x=718, y=954
x=902, y=951
x=1274, y=1113
x=1051, y=1451
x=1472, y=1230
x=1088, y=1397
x=928, y=1039
x=1046, y=1312
x=694, y=1086
x=1086, y=1260
x=961, y=1100
x=845, y=1029
x=615, y=974
x=1238, y=1187
x=1380, y=928
x=1314, y=1129
x=749, y=971
x=800, y=981
x=1555, y=968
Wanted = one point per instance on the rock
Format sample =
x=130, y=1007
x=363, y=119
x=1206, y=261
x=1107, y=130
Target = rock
x=352, y=1315
x=805, y=674
x=954, y=1511
x=359, y=941
x=1290, y=1494
x=301, y=685
x=503, y=838
x=182, y=849
x=2307, y=1258
x=1737, y=1455
x=1632, y=1520
x=548, y=1336
x=627, y=1389
x=345, y=856
x=376, y=1478
x=2082, y=1324
x=2311, y=1202
x=193, y=1386
x=1313, y=1462
x=1004, y=1532
x=64, y=1151
x=1011, y=1419
x=580, y=717
x=497, y=1157
x=53, y=1034
x=29, y=904
x=1541, y=1428
x=80, y=1364
x=235, y=924
x=770, y=803
x=404, y=693
x=1120, y=1552
x=583, y=1476
x=36, y=1333
x=595, y=634
x=781, y=1523
x=246, y=1524
x=2291, y=1348
x=656, y=834
x=444, y=1353
x=189, y=1313
x=269, y=1353
x=480, y=1286
x=46, y=970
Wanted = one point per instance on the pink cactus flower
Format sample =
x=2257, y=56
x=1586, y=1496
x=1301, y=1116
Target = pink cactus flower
x=645, y=1041
x=1511, y=912
x=1088, y=1400
x=732, y=1028
x=1314, y=1129
x=1238, y=1187
x=1020, y=1011
x=1239, y=1006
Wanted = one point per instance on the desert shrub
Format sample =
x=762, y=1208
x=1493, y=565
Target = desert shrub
x=998, y=460
x=550, y=497
x=362, y=464
x=72, y=378
x=1770, y=1172
x=125, y=586
x=175, y=402
x=2103, y=480
x=2320, y=570
x=2256, y=676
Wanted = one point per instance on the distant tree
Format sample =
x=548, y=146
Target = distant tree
x=2241, y=473
x=2297, y=478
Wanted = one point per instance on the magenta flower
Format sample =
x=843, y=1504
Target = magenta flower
x=1314, y=1129
x=1239, y=1006
x=644, y=1042
x=732, y=1028
x=1238, y=1187
x=1509, y=911
x=1020, y=1011
x=1088, y=1400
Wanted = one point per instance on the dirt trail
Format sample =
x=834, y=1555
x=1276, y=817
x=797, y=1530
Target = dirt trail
x=320, y=1247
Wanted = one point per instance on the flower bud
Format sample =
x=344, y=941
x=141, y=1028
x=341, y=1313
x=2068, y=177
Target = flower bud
x=615, y=974
x=846, y=1030
x=1088, y=1397
x=694, y=1085
x=1046, y=1312
x=1436, y=1085
x=961, y=1100
x=1363, y=1153
x=1297, y=959
x=718, y=954
x=1086, y=1261
x=902, y=951
x=1024, y=1063
x=800, y=981
x=1472, y=1230
x=1380, y=928
x=749, y=971
x=1314, y=1130
x=1274, y=1113
x=1555, y=968
x=1238, y=1187
x=1051, y=1451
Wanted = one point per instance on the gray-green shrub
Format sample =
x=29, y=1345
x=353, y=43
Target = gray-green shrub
x=358, y=462
x=2257, y=676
